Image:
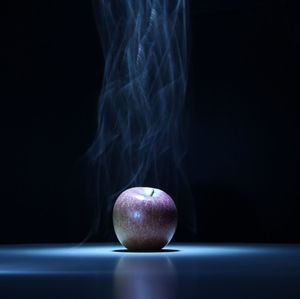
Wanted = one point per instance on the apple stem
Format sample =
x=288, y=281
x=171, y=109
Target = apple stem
x=152, y=192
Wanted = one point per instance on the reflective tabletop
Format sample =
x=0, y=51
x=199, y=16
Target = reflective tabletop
x=178, y=271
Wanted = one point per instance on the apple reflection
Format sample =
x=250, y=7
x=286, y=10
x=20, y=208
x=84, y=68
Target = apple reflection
x=145, y=278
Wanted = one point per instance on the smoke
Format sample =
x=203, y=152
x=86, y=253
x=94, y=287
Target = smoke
x=138, y=140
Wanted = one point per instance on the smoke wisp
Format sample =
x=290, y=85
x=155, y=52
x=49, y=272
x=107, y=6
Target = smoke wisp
x=138, y=140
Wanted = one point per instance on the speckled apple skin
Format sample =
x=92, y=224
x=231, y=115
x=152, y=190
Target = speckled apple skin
x=144, y=222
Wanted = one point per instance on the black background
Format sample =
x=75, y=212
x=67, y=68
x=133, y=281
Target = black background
x=243, y=158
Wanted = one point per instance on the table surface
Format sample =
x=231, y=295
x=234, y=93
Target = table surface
x=179, y=271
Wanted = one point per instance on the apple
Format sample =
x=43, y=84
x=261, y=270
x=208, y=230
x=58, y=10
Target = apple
x=144, y=218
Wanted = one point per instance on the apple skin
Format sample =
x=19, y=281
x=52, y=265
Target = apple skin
x=144, y=219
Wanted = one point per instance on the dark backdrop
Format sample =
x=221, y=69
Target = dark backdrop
x=243, y=152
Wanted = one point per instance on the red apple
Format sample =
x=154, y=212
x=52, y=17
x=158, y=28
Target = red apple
x=144, y=218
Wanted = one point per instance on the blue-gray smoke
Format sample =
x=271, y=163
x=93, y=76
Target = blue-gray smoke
x=138, y=141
